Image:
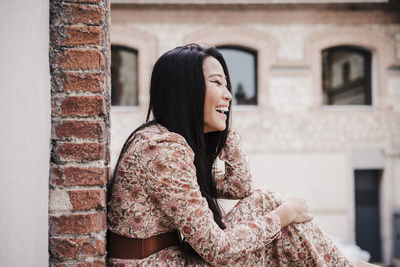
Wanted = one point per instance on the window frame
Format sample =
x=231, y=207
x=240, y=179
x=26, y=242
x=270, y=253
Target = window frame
x=254, y=53
x=368, y=70
x=127, y=48
x=381, y=46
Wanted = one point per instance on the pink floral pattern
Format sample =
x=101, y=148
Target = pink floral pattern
x=156, y=191
x=235, y=182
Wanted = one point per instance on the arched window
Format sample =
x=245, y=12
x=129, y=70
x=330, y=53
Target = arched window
x=124, y=78
x=242, y=65
x=346, y=76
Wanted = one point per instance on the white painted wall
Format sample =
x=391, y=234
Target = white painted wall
x=24, y=132
x=319, y=177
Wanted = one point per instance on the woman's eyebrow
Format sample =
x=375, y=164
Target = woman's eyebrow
x=216, y=74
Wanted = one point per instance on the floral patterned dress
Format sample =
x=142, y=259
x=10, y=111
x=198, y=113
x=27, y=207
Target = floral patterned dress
x=156, y=191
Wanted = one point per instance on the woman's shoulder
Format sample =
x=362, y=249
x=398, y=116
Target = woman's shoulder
x=156, y=135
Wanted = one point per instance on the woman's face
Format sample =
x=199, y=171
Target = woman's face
x=217, y=98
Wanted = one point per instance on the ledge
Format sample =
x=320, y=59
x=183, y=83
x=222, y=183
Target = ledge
x=246, y=1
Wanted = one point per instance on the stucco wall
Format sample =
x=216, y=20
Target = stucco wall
x=25, y=132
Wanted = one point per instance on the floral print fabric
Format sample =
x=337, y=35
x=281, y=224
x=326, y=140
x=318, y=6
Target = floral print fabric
x=156, y=191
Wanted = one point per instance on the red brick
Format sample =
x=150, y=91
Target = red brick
x=81, y=1
x=81, y=152
x=80, y=129
x=72, y=13
x=81, y=59
x=89, y=1
x=86, y=14
x=83, y=36
x=68, y=248
x=56, y=176
x=82, y=105
x=97, y=263
x=87, y=199
x=87, y=82
x=100, y=246
x=76, y=35
x=84, y=176
x=77, y=223
x=78, y=53
x=63, y=248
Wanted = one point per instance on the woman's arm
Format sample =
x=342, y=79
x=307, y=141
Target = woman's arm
x=169, y=177
x=236, y=182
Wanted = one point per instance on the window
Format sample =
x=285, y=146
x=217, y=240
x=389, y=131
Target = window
x=346, y=76
x=124, y=78
x=242, y=65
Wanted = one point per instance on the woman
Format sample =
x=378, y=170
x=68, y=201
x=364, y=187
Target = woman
x=165, y=184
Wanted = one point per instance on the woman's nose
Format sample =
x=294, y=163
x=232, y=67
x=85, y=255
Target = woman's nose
x=227, y=95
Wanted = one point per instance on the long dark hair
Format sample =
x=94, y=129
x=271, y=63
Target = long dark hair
x=177, y=94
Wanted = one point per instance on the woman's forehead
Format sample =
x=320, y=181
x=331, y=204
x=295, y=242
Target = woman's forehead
x=212, y=67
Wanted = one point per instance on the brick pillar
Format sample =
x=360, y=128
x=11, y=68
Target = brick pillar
x=80, y=82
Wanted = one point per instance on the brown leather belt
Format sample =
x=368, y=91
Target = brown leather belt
x=123, y=247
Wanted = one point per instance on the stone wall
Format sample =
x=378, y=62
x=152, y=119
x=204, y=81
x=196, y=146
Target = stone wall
x=295, y=143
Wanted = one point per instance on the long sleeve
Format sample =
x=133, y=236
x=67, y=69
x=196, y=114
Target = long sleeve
x=169, y=176
x=236, y=182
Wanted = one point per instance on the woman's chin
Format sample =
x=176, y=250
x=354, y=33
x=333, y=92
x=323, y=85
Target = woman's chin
x=215, y=129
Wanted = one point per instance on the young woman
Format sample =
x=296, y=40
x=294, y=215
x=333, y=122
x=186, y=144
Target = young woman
x=165, y=186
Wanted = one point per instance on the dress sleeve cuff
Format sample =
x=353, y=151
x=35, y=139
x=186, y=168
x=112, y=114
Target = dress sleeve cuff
x=274, y=229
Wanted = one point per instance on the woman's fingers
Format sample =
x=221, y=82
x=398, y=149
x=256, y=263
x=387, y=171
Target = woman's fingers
x=303, y=218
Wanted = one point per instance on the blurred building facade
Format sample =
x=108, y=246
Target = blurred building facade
x=317, y=101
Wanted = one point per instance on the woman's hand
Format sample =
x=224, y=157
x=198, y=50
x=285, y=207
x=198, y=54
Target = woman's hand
x=293, y=209
x=299, y=208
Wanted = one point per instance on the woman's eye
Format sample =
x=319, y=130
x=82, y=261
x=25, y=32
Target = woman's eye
x=217, y=82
